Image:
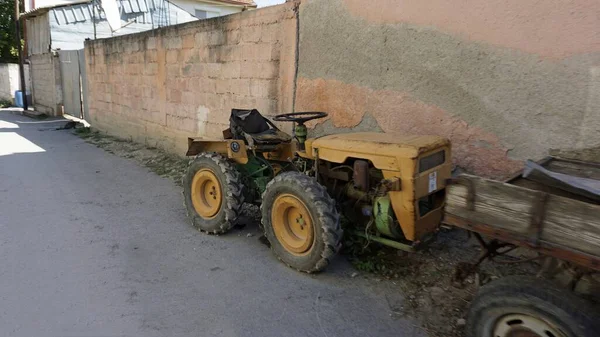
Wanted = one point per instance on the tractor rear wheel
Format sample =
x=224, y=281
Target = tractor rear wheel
x=300, y=221
x=213, y=193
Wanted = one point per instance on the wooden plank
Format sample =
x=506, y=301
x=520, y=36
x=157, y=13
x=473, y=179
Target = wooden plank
x=502, y=205
x=573, y=224
x=568, y=223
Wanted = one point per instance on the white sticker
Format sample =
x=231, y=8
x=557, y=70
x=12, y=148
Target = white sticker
x=432, y=181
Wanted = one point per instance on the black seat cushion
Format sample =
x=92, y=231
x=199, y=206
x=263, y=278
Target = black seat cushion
x=248, y=121
x=252, y=123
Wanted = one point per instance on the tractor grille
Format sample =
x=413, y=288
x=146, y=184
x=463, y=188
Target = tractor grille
x=431, y=202
x=431, y=161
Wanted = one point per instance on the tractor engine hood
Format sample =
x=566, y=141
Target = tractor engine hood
x=384, y=150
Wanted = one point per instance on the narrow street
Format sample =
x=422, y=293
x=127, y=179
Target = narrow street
x=92, y=244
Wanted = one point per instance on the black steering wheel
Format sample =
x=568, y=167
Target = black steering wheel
x=300, y=117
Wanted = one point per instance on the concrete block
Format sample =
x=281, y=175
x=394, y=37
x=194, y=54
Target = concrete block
x=202, y=54
x=215, y=38
x=173, y=42
x=188, y=97
x=257, y=52
x=173, y=70
x=223, y=86
x=213, y=70
x=207, y=85
x=251, y=34
x=181, y=123
x=151, y=42
x=259, y=70
x=231, y=53
x=234, y=37
x=202, y=39
x=173, y=56
x=151, y=69
x=266, y=106
x=263, y=88
x=231, y=70
x=189, y=41
x=241, y=87
x=174, y=96
x=269, y=33
x=188, y=56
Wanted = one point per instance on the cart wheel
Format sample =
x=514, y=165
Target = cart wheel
x=300, y=221
x=212, y=192
x=529, y=307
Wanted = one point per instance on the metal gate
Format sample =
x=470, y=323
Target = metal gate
x=74, y=82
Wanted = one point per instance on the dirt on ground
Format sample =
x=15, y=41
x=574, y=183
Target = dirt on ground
x=424, y=278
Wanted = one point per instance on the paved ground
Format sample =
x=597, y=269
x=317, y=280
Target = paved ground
x=94, y=245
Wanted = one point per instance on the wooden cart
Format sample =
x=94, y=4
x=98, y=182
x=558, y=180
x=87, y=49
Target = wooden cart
x=551, y=218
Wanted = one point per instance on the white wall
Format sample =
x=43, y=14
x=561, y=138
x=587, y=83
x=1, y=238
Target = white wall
x=213, y=10
x=10, y=80
x=29, y=4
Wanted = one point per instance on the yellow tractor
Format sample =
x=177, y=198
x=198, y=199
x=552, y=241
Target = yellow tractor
x=390, y=187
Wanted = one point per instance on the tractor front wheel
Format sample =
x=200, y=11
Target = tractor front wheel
x=212, y=191
x=300, y=221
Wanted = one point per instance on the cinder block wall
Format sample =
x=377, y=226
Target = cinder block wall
x=505, y=80
x=162, y=86
x=47, y=87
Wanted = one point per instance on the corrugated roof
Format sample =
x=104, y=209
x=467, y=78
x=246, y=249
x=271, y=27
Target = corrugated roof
x=71, y=25
x=140, y=10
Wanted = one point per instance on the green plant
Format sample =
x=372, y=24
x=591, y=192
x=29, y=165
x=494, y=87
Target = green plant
x=8, y=40
x=4, y=103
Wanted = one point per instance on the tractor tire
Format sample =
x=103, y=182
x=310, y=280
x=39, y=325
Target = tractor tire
x=301, y=222
x=213, y=193
x=524, y=306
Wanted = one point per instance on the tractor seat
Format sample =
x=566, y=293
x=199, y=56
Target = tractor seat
x=250, y=123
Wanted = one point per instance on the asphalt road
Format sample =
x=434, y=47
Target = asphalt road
x=92, y=244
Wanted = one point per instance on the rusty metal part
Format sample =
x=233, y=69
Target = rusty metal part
x=354, y=193
x=282, y=152
x=543, y=247
x=361, y=175
x=488, y=251
x=337, y=172
x=387, y=185
x=227, y=134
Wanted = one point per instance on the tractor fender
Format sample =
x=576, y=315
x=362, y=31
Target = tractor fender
x=230, y=148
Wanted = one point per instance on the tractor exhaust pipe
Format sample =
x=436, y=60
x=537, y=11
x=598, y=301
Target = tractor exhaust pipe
x=361, y=175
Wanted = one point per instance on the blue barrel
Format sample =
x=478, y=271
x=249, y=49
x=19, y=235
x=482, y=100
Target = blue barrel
x=19, y=99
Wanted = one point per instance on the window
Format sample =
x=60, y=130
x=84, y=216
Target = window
x=200, y=14
x=432, y=161
x=204, y=14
